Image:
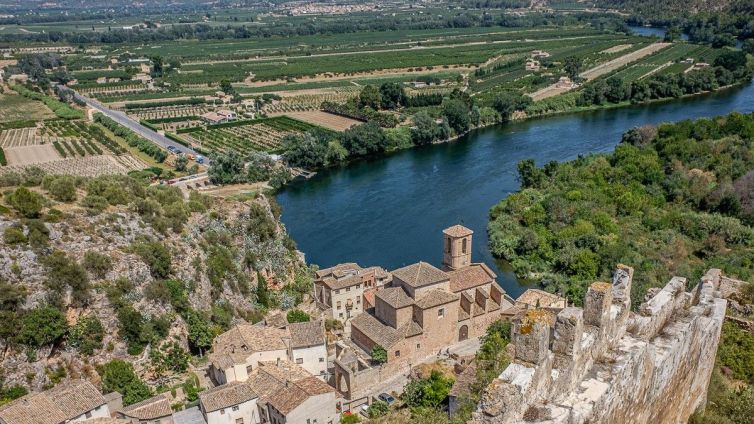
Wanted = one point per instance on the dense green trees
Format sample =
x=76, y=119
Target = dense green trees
x=670, y=195
x=378, y=354
x=507, y=103
x=118, y=376
x=86, y=335
x=364, y=139
x=429, y=392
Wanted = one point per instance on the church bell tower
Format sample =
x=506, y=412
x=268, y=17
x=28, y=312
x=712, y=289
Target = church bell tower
x=456, y=247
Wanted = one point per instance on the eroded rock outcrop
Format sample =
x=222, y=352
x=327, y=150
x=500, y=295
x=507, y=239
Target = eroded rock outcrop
x=606, y=364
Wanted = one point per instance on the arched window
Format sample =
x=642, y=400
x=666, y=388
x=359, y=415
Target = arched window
x=463, y=245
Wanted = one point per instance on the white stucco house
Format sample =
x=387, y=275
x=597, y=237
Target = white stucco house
x=308, y=347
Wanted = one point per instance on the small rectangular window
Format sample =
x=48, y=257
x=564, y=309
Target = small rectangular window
x=222, y=412
x=348, y=289
x=441, y=312
x=340, y=315
x=235, y=408
x=321, y=359
x=338, y=304
x=418, y=346
x=397, y=353
x=299, y=360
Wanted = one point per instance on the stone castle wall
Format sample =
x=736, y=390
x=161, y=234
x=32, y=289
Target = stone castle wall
x=606, y=364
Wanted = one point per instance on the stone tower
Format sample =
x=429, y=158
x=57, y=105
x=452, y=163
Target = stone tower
x=456, y=247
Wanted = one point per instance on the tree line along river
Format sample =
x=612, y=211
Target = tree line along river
x=390, y=211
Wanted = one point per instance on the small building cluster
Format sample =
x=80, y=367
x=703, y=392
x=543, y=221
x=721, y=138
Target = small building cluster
x=219, y=117
x=278, y=372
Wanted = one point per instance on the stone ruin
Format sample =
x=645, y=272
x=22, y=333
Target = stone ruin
x=607, y=364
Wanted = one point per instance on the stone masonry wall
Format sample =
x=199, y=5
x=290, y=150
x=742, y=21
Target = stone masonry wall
x=606, y=364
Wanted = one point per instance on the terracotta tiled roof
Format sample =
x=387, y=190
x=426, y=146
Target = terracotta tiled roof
x=65, y=401
x=238, y=343
x=150, y=409
x=457, y=231
x=420, y=274
x=107, y=420
x=289, y=397
x=283, y=371
x=462, y=314
x=35, y=408
x=338, y=269
x=369, y=298
x=436, y=297
x=225, y=396
x=395, y=297
x=411, y=329
x=384, y=335
x=471, y=276
x=277, y=320
x=343, y=282
x=541, y=299
x=76, y=397
x=305, y=334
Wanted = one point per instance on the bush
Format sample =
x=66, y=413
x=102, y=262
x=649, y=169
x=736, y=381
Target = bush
x=26, y=202
x=378, y=409
x=14, y=235
x=87, y=335
x=119, y=376
x=349, y=418
x=97, y=264
x=429, y=392
x=156, y=256
x=62, y=188
x=41, y=326
x=378, y=354
x=297, y=315
x=65, y=273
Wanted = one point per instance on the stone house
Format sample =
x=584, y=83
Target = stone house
x=340, y=290
x=155, y=410
x=237, y=352
x=308, y=347
x=232, y=403
x=289, y=394
x=68, y=402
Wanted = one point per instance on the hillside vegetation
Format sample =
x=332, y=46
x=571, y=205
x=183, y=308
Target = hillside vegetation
x=93, y=271
x=671, y=200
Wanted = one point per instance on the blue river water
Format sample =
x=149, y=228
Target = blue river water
x=390, y=211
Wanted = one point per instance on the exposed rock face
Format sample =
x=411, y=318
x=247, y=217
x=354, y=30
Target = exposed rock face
x=606, y=364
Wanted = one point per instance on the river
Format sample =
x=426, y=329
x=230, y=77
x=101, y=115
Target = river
x=390, y=211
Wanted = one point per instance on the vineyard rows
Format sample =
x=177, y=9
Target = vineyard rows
x=243, y=139
x=89, y=166
x=19, y=137
x=168, y=112
x=304, y=102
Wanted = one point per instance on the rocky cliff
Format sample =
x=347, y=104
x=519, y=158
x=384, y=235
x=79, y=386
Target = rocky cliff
x=606, y=364
x=216, y=255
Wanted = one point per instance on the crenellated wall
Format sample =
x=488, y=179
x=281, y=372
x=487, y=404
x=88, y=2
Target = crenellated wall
x=606, y=364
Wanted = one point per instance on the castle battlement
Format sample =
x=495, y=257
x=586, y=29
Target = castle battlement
x=604, y=363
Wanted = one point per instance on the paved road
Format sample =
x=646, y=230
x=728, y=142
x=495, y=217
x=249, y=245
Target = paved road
x=135, y=126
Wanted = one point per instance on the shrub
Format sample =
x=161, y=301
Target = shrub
x=87, y=335
x=118, y=376
x=14, y=235
x=378, y=354
x=62, y=189
x=26, y=202
x=63, y=273
x=378, y=409
x=41, y=326
x=156, y=256
x=297, y=315
x=97, y=263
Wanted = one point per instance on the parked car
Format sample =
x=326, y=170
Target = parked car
x=386, y=398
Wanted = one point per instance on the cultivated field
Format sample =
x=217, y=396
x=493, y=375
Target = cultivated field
x=14, y=107
x=30, y=155
x=617, y=63
x=324, y=119
x=90, y=166
x=245, y=136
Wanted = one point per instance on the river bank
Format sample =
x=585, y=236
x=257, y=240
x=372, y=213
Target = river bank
x=390, y=210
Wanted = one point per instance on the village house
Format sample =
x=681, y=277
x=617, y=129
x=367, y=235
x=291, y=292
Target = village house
x=155, y=410
x=276, y=392
x=342, y=291
x=237, y=352
x=532, y=65
x=234, y=403
x=289, y=394
x=68, y=402
x=229, y=115
x=213, y=118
